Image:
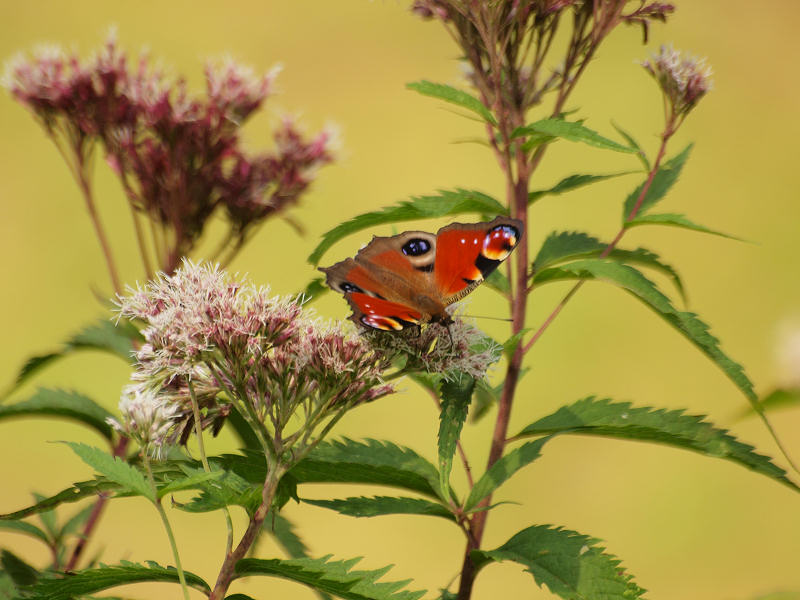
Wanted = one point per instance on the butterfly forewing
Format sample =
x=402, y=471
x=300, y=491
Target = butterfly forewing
x=466, y=254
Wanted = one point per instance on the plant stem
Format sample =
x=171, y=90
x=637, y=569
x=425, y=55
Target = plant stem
x=88, y=196
x=227, y=572
x=198, y=432
x=167, y=526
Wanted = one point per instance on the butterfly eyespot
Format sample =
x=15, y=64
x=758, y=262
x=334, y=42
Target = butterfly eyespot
x=416, y=247
x=348, y=287
x=499, y=242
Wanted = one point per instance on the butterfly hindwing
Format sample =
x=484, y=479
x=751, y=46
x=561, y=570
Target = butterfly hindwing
x=382, y=314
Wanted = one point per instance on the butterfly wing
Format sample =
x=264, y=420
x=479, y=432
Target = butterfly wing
x=389, y=284
x=466, y=254
x=408, y=279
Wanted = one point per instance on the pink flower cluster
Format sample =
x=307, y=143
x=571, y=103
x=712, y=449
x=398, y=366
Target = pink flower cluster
x=235, y=347
x=683, y=79
x=178, y=155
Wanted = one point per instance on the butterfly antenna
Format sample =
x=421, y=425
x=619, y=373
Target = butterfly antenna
x=486, y=317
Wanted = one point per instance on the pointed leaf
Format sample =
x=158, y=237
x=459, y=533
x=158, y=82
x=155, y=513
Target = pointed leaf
x=570, y=564
x=283, y=530
x=570, y=183
x=633, y=144
x=445, y=203
x=645, y=290
x=502, y=470
x=196, y=480
x=26, y=528
x=372, y=462
x=453, y=96
x=226, y=489
x=102, y=335
x=383, y=505
x=77, y=491
x=563, y=246
x=21, y=573
x=604, y=417
x=89, y=581
x=571, y=131
x=115, y=469
x=61, y=403
x=484, y=398
x=498, y=282
x=664, y=179
x=456, y=397
x=333, y=577
x=780, y=398
x=675, y=220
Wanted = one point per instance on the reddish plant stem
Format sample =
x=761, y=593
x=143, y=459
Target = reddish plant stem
x=86, y=190
x=227, y=571
x=613, y=244
x=119, y=450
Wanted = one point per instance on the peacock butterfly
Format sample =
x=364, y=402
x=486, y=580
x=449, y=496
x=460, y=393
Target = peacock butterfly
x=409, y=279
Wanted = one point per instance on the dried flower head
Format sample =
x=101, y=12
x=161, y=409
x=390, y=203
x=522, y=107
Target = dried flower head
x=683, y=79
x=146, y=417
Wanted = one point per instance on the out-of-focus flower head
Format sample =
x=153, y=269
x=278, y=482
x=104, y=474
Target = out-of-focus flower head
x=178, y=154
x=683, y=79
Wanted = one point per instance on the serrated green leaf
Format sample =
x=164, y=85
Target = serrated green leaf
x=604, y=417
x=114, y=468
x=21, y=573
x=283, y=530
x=664, y=179
x=333, y=577
x=61, y=403
x=26, y=528
x=377, y=506
x=633, y=144
x=76, y=492
x=445, y=203
x=102, y=335
x=456, y=397
x=453, y=95
x=687, y=323
x=503, y=470
x=570, y=564
x=676, y=220
x=564, y=246
x=371, y=462
x=226, y=489
x=196, y=480
x=89, y=581
x=571, y=131
x=570, y=183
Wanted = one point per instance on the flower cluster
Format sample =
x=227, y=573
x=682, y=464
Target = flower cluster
x=506, y=43
x=683, y=80
x=232, y=346
x=444, y=350
x=145, y=418
x=178, y=155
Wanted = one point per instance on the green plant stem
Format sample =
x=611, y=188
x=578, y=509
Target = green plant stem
x=198, y=432
x=167, y=526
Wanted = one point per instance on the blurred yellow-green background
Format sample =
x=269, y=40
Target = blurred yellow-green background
x=687, y=527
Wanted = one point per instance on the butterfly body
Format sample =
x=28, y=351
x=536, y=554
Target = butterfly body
x=409, y=279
